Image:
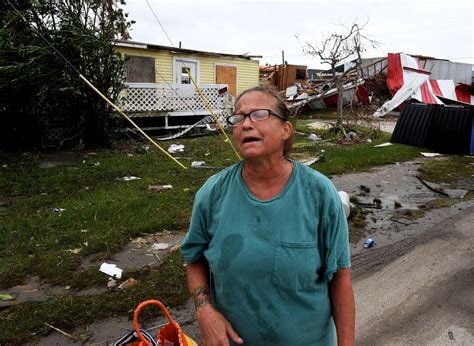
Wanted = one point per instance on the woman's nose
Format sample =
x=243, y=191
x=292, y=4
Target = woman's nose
x=247, y=122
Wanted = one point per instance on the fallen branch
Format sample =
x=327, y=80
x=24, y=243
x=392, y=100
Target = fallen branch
x=60, y=331
x=431, y=188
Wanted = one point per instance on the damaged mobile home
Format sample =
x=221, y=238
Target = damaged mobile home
x=426, y=80
x=436, y=97
x=396, y=79
x=159, y=92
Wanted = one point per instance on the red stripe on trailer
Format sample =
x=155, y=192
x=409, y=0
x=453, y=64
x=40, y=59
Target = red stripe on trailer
x=394, y=72
x=426, y=94
x=435, y=87
x=462, y=93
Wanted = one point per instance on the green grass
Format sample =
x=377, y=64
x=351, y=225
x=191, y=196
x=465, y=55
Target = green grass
x=351, y=158
x=34, y=240
x=68, y=312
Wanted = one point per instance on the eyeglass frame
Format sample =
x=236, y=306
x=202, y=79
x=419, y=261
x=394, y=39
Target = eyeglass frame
x=249, y=115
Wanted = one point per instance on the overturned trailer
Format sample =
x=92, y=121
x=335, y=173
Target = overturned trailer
x=409, y=79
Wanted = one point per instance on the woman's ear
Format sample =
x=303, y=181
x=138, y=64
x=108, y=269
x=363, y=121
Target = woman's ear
x=287, y=130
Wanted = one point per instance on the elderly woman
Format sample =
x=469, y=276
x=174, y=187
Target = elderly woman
x=267, y=248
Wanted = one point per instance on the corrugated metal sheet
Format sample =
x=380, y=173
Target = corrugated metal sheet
x=440, y=69
x=451, y=130
x=445, y=129
x=413, y=125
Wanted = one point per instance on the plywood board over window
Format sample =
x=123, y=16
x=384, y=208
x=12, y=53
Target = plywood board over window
x=226, y=74
x=141, y=69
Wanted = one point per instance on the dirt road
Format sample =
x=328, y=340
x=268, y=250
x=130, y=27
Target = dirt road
x=419, y=291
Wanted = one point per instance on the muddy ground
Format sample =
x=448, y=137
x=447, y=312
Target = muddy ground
x=397, y=232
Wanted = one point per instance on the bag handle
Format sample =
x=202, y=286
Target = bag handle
x=137, y=311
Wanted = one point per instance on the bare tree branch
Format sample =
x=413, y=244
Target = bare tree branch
x=337, y=48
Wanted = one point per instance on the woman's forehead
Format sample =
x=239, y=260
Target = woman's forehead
x=256, y=99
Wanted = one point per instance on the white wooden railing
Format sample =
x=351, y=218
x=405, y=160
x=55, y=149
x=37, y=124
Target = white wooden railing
x=152, y=98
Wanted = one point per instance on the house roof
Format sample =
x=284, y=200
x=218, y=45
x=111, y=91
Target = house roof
x=141, y=45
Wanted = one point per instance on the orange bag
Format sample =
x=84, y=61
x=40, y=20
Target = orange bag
x=170, y=334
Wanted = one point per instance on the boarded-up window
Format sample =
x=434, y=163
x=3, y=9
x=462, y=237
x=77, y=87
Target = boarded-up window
x=227, y=75
x=141, y=69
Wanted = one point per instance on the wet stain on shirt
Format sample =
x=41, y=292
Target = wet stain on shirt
x=232, y=245
x=268, y=333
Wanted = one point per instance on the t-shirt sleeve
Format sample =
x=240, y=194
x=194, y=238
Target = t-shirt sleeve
x=197, y=239
x=336, y=239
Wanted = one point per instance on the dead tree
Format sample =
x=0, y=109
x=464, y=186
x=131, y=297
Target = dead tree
x=334, y=50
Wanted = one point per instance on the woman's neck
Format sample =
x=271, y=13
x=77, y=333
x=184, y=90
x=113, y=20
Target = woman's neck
x=266, y=179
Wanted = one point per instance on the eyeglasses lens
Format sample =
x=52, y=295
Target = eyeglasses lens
x=258, y=115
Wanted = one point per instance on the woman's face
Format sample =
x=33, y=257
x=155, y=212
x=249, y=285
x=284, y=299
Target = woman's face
x=261, y=139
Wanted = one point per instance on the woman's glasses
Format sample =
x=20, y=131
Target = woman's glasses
x=256, y=115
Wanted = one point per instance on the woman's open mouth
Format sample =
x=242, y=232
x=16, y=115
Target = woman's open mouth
x=250, y=140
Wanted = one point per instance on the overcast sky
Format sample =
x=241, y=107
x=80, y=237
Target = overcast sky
x=442, y=28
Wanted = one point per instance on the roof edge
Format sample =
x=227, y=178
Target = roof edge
x=142, y=45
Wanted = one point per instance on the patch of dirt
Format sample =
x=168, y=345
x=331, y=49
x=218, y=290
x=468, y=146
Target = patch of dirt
x=58, y=159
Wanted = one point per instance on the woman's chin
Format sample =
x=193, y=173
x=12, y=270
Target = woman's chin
x=250, y=154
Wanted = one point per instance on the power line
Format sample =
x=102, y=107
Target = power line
x=162, y=28
x=206, y=103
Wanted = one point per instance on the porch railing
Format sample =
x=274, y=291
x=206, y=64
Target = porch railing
x=159, y=99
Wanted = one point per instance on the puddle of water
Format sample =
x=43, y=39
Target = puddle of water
x=395, y=183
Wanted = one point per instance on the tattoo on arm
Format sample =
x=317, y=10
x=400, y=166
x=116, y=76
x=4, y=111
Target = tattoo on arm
x=200, y=296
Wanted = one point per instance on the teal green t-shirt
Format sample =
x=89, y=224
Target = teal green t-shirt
x=271, y=260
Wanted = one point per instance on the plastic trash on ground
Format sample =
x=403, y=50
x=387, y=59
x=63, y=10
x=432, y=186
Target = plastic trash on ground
x=130, y=178
x=314, y=137
x=127, y=284
x=369, y=242
x=196, y=164
x=176, y=148
x=160, y=246
x=387, y=144
x=111, y=270
x=160, y=187
x=431, y=154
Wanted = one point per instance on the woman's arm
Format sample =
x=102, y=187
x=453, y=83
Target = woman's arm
x=343, y=306
x=215, y=329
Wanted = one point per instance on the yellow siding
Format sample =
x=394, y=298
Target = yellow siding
x=164, y=67
x=247, y=70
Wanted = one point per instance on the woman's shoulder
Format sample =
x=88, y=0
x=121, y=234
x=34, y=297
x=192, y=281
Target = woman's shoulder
x=310, y=175
x=220, y=180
